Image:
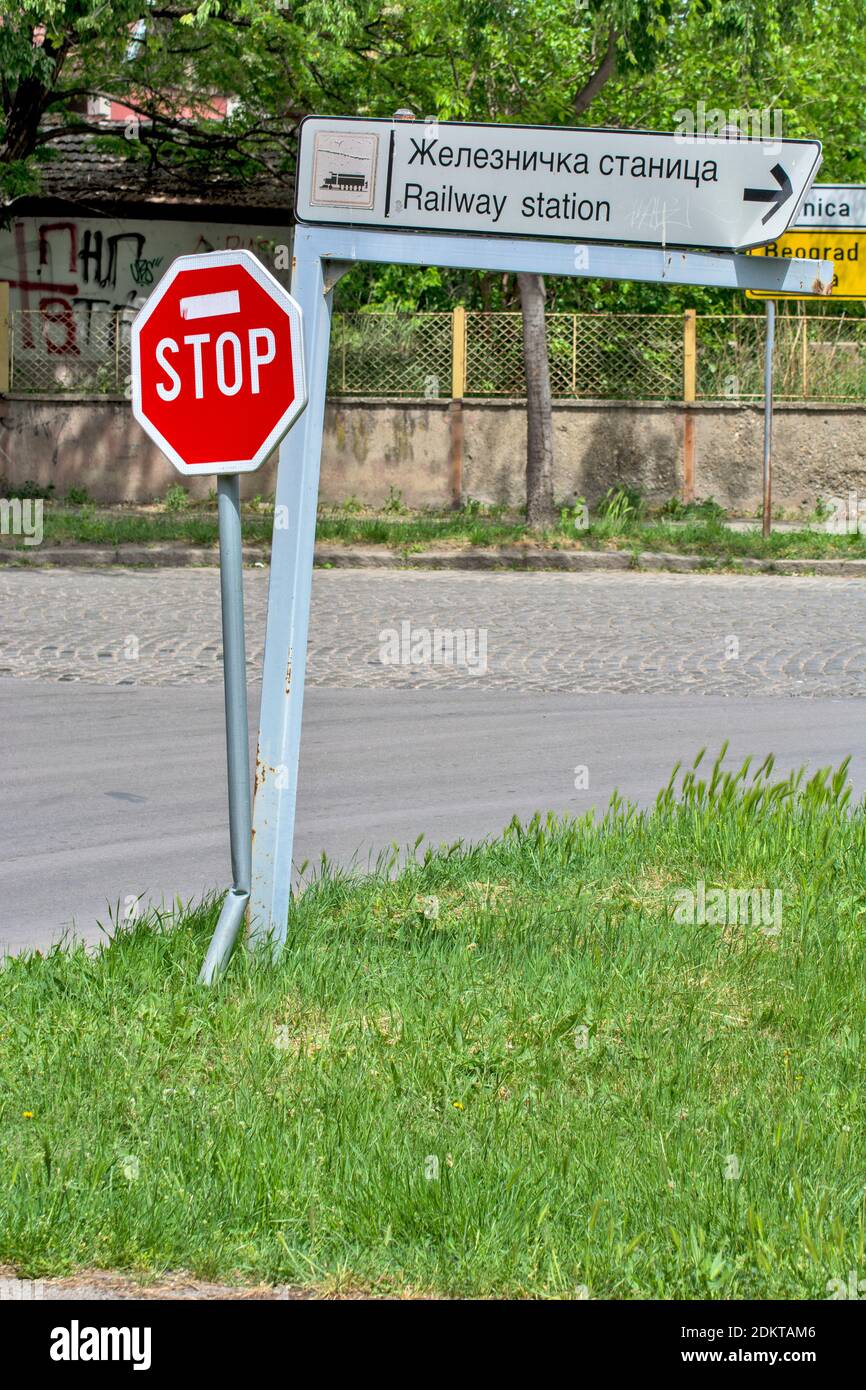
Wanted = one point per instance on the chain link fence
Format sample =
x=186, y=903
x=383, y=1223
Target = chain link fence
x=605, y=356
x=71, y=349
x=391, y=355
x=628, y=357
x=592, y=356
x=817, y=357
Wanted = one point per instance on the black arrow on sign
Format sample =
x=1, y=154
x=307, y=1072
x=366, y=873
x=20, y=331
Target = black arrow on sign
x=770, y=195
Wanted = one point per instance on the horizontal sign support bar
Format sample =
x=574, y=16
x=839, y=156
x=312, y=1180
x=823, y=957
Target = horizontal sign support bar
x=719, y=271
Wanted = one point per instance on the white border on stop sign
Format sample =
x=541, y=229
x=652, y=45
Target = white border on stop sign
x=277, y=292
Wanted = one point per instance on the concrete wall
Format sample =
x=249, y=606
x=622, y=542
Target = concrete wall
x=373, y=445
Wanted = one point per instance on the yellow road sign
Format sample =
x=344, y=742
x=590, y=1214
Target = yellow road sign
x=845, y=250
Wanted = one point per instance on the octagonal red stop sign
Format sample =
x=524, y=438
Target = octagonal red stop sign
x=218, y=363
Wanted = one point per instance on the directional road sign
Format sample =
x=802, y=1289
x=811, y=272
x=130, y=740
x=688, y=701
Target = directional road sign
x=714, y=192
x=846, y=252
x=830, y=226
x=837, y=206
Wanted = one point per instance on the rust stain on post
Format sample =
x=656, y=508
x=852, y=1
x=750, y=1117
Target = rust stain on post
x=5, y=337
x=289, y=675
x=689, y=457
x=455, y=429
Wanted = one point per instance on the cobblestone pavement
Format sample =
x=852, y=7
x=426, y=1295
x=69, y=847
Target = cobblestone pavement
x=649, y=634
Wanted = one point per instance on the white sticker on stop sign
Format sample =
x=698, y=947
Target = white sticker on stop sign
x=217, y=363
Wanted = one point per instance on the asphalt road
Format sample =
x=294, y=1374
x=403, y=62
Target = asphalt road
x=111, y=791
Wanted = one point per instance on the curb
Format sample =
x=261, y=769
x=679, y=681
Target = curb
x=474, y=558
x=652, y=560
x=177, y=556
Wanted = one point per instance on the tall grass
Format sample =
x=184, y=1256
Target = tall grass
x=500, y=1069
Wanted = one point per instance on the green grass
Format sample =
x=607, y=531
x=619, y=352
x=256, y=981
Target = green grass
x=699, y=532
x=713, y=540
x=695, y=535
x=582, y=1067
x=89, y=525
x=419, y=529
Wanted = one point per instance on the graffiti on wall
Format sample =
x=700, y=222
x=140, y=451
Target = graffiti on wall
x=66, y=273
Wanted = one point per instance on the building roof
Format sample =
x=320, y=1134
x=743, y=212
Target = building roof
x=82, y=171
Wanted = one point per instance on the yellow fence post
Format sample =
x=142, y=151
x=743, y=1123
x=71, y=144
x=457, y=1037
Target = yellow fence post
x=690, y=385
x=805, y=355
x=458, y=352
x=458, y=390
x=5, y=337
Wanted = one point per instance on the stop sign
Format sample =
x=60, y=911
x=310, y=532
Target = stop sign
x=217, y=363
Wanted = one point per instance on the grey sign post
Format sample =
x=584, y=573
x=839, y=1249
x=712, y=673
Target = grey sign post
x=237, y=898
x=322, y=253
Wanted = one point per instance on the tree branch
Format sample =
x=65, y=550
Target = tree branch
x=605, y=70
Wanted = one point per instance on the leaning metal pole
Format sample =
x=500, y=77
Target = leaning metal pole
x=237, y=728
x=289, y=595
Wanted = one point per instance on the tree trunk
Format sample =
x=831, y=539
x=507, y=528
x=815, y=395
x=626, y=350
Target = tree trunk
x=23, y=118
x=539, y=424
x=539, y=452
x=25, y=108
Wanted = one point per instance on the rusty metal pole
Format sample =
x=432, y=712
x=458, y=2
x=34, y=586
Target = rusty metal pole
x=455, y=411
x=767, y=512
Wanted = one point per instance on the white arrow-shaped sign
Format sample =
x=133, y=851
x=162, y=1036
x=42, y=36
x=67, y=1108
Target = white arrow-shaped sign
x=716, y=192
x=834, y=206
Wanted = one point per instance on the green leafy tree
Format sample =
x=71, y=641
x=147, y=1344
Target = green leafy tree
x=636, y=63
x=625, y=63
x=168, y=62
x=606, y=62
